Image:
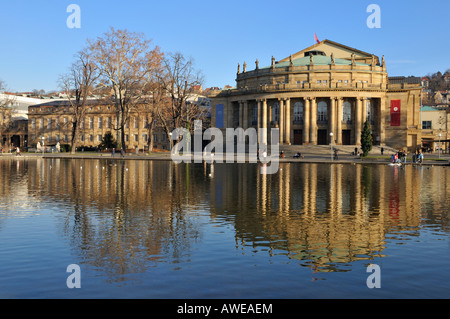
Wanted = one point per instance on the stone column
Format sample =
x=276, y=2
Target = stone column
x=382, y=119
x=241, y=114
x=306, y=117
x=332, y=121
x=358, y=117
x=339, y=116
x=245, y=125
x=287, y=120
x=241, y=121
x=281, y=121
x=364, y=112
x=313, y=123
x=264, y=121
x=258, y=107
x=230, y=116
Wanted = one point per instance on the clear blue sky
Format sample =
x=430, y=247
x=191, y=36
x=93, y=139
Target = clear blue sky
x=37, y=46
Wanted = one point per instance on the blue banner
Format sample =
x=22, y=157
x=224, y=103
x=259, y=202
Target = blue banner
x=219, y=115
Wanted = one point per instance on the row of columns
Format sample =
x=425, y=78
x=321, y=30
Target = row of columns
x=310, y=125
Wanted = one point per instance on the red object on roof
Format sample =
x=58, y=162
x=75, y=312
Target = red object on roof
x=315, y=37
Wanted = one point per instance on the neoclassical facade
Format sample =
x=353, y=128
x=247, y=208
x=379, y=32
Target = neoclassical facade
x=321, y=95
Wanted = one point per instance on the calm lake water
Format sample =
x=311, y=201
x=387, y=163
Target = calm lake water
x=156, y=229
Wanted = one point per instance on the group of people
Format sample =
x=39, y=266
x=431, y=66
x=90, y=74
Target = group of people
x=418, y=156
x=398, y=157
x=296, y=155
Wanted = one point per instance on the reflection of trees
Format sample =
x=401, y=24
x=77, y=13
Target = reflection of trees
x=123, y=216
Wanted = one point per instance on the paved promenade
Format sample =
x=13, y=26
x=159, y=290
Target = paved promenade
x=310, y=154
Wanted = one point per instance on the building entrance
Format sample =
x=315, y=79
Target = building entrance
x=346, y=137
x=322, y=137
x=298, y=137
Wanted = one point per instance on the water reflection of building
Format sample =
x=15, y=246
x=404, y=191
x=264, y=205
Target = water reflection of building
x=325, y=213
x=125, y=216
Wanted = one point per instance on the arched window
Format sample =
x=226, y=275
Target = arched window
x=322, y=112
x=298, y=112
x=347, y=112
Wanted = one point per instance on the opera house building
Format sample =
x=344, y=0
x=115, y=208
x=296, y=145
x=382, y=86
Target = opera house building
x=323, y=89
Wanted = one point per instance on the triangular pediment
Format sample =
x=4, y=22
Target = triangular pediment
x=338, y=50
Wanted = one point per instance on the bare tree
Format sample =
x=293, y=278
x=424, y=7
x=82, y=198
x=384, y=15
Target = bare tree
x=6, y=111
x=178, y=81
x=77, y=85
x=126, y=63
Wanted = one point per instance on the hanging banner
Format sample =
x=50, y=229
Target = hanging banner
x=219, y=115
x=395, y=113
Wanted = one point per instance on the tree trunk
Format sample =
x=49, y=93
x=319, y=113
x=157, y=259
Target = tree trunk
x=150, y=137
x=74, y=137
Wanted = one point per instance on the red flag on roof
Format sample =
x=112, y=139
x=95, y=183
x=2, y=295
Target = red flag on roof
x=315, y=37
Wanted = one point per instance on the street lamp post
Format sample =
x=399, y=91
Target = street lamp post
x=43, y=144
x=331, y=145
x=439, y=145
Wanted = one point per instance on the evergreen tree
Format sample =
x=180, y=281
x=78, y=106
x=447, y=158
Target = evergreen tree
x=366, y=139
x=108, y=141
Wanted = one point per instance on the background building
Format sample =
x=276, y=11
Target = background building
x=323, y=89
x=435, y=128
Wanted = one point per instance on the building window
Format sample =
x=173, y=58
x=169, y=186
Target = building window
x=298, y=112
x=108, y=123
x=255, y=115
x=145, y=123
x=99, y=137
x=426, y=125
x=322, y=112
x=126, y=137
x=49, y=124
x=66, y=138
x=41, y=123
x=155, y=138
x=100, y=122
x=57, y=138
x=275, y=112
x=82, y=137
x=33, y=123
x=82, y=124
x=57, y=123
x=136, y=123
x=91, y=138
x=347, y=112
x=91, y=122
x=144, y=137
x=136, y=138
